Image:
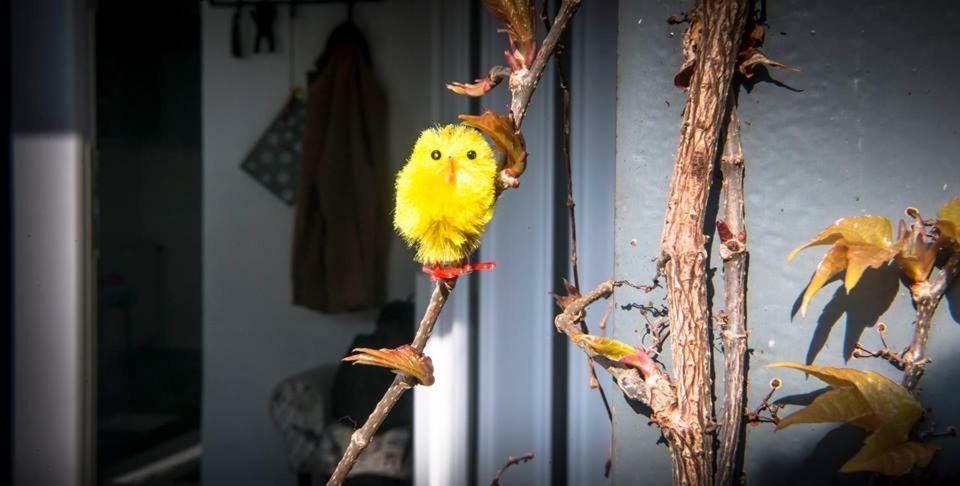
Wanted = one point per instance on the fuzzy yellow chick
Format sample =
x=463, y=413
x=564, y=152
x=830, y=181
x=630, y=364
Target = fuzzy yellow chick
x=445, y=194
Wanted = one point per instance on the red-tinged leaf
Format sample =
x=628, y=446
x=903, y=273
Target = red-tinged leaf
x=641, y=361
x=519, y=17
x=483, y=85
x=724, y=231
x=476, y=89
x=615, y=350
x=572, y=294
x=504, y=133
x=403, y=360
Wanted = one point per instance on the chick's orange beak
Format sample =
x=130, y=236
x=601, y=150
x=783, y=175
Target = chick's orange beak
x=451, y=170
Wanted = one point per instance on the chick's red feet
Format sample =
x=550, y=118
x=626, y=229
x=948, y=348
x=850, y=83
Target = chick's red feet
x=440, y=272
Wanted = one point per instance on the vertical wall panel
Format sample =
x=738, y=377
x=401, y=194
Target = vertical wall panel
x=593, y=81
x=516, y=314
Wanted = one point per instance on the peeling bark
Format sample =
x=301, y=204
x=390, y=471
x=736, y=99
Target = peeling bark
x=683, y=242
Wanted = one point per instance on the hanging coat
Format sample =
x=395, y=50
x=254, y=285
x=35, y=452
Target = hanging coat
x=342, y=224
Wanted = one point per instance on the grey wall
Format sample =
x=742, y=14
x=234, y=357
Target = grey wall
x=874, y=130
x=253, y=337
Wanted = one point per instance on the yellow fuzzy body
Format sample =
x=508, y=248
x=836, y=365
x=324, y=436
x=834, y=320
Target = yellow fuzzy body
x=445, y=203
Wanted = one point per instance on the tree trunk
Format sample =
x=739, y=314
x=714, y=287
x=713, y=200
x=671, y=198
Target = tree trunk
x=683, y=243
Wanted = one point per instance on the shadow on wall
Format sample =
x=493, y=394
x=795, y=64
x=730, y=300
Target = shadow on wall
x=822, y=464
x=864, y=306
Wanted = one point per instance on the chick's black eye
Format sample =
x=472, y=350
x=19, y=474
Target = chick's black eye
x=435, y=155
x=471, y=155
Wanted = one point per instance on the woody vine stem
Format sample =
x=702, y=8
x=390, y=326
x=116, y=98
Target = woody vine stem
x=522, y=85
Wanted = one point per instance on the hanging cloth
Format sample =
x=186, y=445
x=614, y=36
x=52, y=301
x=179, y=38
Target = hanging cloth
x=342, y=223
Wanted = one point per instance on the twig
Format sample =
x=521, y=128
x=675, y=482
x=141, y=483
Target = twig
x=773, y=409
x=950, y=431
x=733, y=324
x=510, y=462
x=362, y=436
x=861, y=351
x=927, y=296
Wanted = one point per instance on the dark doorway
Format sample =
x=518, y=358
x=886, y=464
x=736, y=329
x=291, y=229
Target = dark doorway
x=147, y=220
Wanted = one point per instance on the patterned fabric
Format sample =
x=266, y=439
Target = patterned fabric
x=387, y=455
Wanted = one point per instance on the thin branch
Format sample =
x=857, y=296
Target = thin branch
x=511, y=461
x=772, y=409
x=926, y=296
x=524, y=83
x=362, y=436
x=522, y=86
x=885, y=353
x=733, y=321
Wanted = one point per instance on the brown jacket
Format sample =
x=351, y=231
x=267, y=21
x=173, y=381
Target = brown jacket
x=342, y=225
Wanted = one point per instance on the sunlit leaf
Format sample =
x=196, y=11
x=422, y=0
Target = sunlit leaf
x=607, y=347
x=860, y=242
x=844, y=404
x=914, y=255
x=866, y=230
x=617, y=351
x=861, y=257
x=403, y=360
x=519, y=17
x=886, y=455
x=895, y=408
x=948, y=220
x=834, y=262
x=873, y=402
x=503, y=132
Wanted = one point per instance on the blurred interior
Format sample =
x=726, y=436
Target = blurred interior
x=213, y=349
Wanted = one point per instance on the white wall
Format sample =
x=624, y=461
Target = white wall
x=253, y=336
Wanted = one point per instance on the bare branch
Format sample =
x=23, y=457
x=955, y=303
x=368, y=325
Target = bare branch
x=733, y=319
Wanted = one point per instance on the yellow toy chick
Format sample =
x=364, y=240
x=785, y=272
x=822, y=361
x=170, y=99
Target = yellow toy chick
x=445, y=198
